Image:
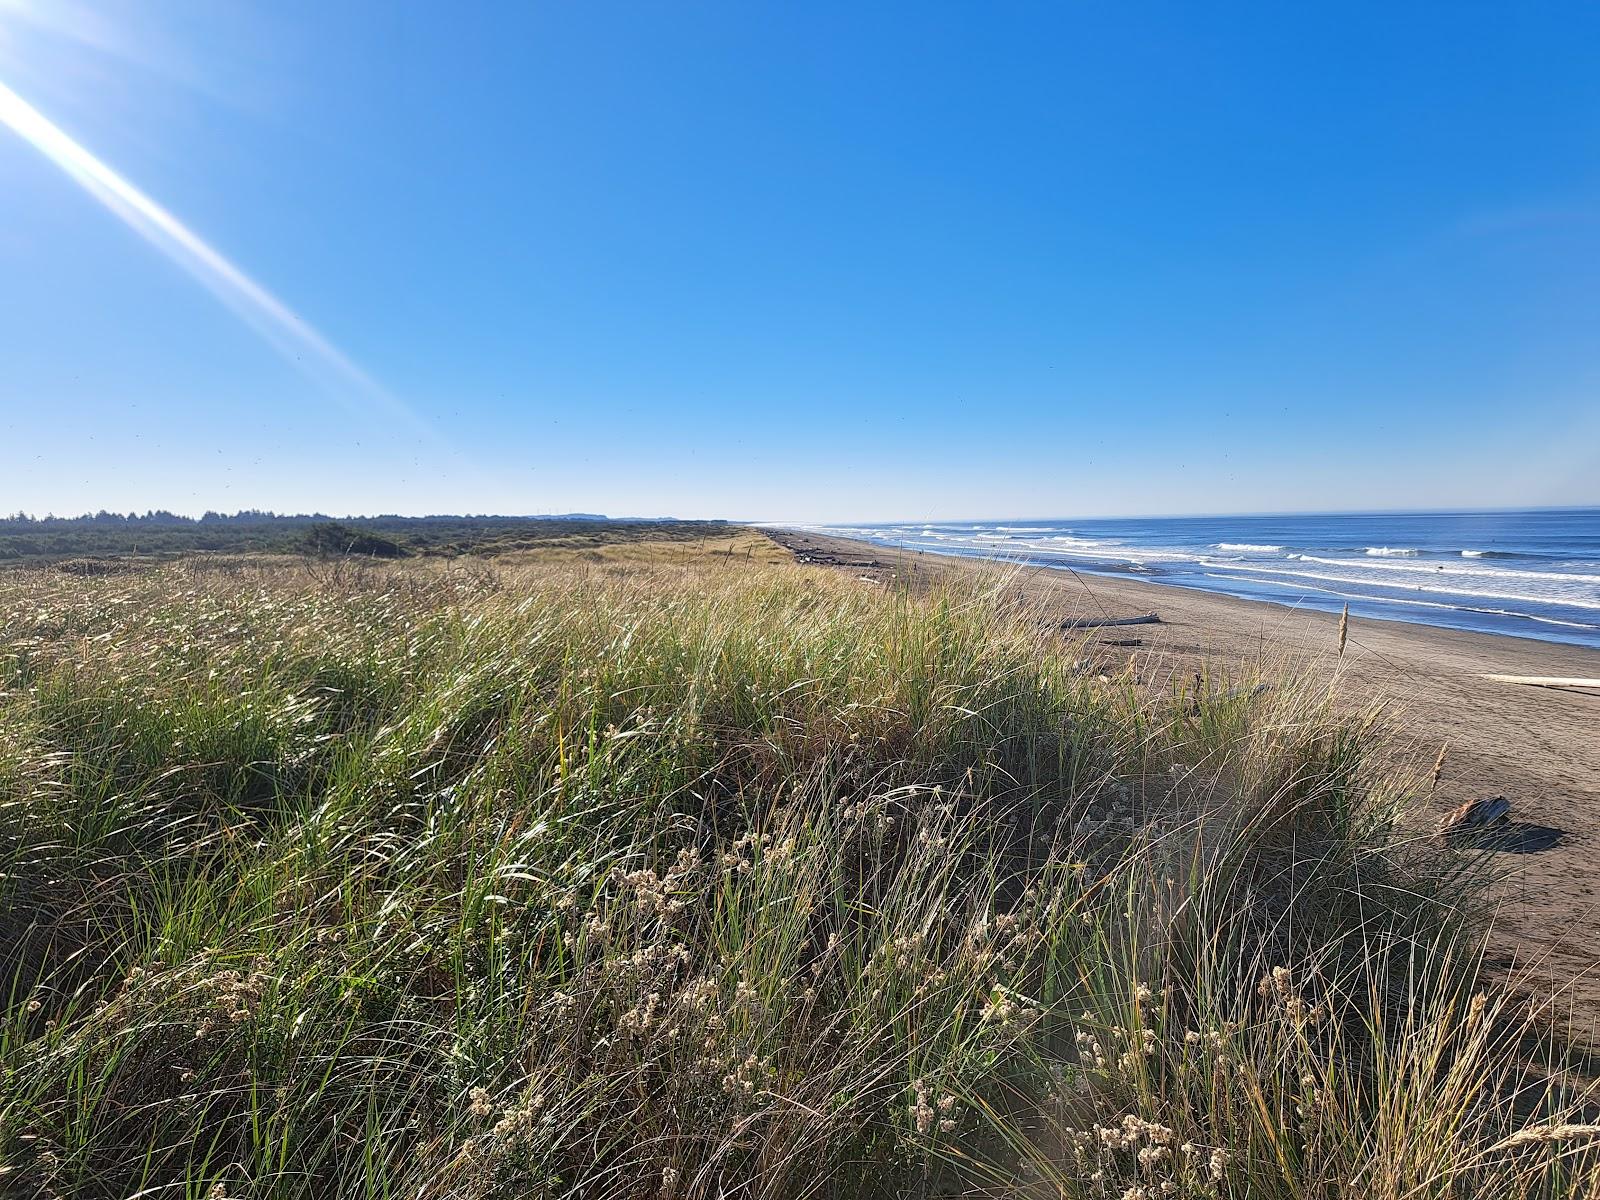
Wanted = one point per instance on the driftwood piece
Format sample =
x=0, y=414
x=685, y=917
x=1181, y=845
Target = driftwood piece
x=1236, y=693
x=1104, y=622
x=1474, y=819
x=1549, y=681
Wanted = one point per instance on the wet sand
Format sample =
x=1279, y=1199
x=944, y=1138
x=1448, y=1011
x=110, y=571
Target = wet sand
x=1537, y=746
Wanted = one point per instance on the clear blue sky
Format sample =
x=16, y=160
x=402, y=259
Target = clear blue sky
x=802, y=261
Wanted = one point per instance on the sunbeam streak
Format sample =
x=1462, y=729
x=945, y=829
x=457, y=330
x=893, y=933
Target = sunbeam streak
x=288, y=333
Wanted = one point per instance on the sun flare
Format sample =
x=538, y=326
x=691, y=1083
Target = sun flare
x=280, y=326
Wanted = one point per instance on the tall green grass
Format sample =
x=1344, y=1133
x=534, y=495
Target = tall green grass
x=720, y=880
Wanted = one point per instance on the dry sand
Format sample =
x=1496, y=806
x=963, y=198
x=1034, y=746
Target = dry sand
x=1539, y=747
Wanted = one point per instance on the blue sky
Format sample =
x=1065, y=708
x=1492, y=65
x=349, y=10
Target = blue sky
x=803, y=261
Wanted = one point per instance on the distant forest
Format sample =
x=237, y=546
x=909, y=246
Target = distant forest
x=165, y=534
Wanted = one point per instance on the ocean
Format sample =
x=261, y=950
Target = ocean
x=1532, y=573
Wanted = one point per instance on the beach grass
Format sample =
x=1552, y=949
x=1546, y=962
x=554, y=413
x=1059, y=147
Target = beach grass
x=683, y=871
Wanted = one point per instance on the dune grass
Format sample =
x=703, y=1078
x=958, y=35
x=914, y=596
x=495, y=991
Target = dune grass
x=679, y=876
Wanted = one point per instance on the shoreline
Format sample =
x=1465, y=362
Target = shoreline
x=1304, y=604
x=1129, y=587
x=1537, y=746
x=1405, y=592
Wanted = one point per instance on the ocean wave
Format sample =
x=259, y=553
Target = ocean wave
x=1066, y=539
x=1392, y=552
x=1506, y=612
x=1025, y=528
x=1558, y=599
x=1247, y=546
x=1420, y=571
x=1470, y=608
x=1103, y=552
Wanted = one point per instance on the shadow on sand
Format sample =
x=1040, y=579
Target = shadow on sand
x=1519, y=837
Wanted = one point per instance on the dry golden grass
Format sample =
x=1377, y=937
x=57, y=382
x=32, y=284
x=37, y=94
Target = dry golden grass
x=739, y=546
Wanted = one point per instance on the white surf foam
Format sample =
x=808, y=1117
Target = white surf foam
x=1064, y=539
x=1392, y=552
x=1497, y=612
x=1421, y=571
x=1247, y=547
x=1423, y=582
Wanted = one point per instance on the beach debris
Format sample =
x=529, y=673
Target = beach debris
x=1549, y=681
x=1238, y=693
x=1241, y=692
x=1123, y=642
x=815, y=559
x=1103, y=622
x=1475, y=818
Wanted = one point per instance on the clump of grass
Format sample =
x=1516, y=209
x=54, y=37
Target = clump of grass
x=703, y=878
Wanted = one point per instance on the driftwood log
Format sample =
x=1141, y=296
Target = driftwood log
x=1103, y=622
x=1238, y=693
x=1549, y=681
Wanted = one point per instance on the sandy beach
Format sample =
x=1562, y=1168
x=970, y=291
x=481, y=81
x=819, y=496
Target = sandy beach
x=1537, y=746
